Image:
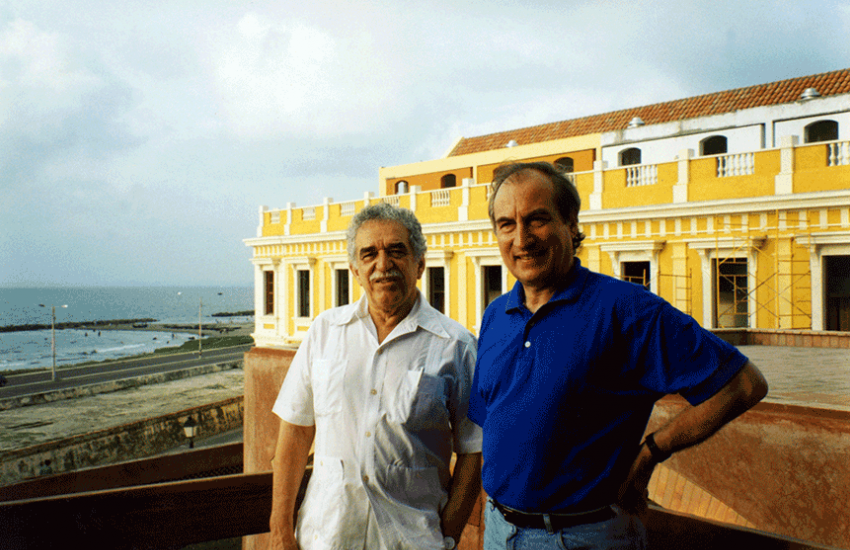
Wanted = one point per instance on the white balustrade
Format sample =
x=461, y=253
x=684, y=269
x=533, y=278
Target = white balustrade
x=392, y=199
x=309, y=213
x=275, y=216
x=441, y=197
x=741, y=164
x=347, y=208
x=838, y=154
x=646, y=174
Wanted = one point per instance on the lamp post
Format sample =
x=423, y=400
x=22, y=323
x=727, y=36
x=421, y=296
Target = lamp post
x=53, y=338
x=190, y=428
x=200, y=333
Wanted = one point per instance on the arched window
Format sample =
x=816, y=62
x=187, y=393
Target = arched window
x=714, y=145
x=565, y=164
x=401, y=187
x=822, y=130
x=449, y=180
x=630, y=156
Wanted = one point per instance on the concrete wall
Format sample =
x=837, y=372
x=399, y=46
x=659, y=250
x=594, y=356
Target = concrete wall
x=112, y=385
x=265, y=370
x=782, y=467
x=129, y=441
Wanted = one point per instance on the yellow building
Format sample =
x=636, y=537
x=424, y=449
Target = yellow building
x=734, y=206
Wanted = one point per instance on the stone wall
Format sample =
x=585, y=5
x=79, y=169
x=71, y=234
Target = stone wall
x=126, y=442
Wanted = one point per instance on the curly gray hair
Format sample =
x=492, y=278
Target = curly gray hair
x=386, y=212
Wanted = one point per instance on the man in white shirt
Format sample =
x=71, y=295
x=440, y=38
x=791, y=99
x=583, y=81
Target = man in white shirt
x=382, y=386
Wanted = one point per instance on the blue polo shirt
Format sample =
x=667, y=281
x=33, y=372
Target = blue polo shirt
x=564, y=395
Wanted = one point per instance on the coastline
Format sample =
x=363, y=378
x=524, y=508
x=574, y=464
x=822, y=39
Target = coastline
x=217, y=332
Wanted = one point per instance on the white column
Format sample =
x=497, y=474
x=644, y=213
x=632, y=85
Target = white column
x=815, y=264
x=463, y=209
x=463, y=297
x=414, y=191
x=784, y=180
x=326, y=203
x=680, y=189
x=281, y=302
x=599, y=167
x=707, y=294
x=259, y=292
x=288, y=222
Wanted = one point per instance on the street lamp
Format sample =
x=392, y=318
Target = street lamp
x=190, y=428
x=200, y=331
x=53, y=338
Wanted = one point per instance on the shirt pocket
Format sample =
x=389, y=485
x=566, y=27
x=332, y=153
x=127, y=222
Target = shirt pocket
x=417, y=488
x=327, y=387
x=420, y=403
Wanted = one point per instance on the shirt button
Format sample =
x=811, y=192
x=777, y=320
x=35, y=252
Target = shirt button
x=528, y=344
x=368, y=434
x=366, y=479
x=374, y=392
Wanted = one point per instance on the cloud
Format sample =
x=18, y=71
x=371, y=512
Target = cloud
x=54, y=110
x=277, y=77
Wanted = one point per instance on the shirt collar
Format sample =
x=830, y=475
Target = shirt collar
x=422, y=315
x=570, y=292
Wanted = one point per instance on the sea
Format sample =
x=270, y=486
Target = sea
x=168, y=305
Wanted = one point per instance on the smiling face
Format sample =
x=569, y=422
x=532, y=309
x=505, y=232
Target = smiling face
x=535, y=242
x=386, y=266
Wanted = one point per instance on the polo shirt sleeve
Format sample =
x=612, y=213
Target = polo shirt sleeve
x=294, y=402
x=466, y=436
x=679, y=356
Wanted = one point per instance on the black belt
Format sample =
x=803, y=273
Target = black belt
x=553, y=522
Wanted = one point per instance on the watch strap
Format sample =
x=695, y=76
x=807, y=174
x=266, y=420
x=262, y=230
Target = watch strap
x=657, y=454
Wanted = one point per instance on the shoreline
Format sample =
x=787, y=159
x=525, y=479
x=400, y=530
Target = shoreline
x=144, y=324
x=218, y=330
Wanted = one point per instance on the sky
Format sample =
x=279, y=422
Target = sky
x=139, y=139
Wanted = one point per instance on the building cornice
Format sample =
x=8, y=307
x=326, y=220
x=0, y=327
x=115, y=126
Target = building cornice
x=751, y=205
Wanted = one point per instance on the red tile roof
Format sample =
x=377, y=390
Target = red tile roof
x=774, y=93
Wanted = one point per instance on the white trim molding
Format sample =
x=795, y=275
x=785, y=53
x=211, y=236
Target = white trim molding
x=832, y=243
x=484, y=257
x=635, y=251
x=729, y=247
x=439, y=258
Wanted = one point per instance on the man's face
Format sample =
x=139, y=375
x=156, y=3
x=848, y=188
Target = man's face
x=535, y=242
x=385, y=266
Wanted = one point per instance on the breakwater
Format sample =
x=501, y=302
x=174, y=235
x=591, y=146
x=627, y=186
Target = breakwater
x=82, y=325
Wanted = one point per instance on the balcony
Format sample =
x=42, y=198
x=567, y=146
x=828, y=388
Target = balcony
x=755, y=465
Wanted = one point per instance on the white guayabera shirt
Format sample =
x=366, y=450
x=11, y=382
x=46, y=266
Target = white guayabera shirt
x=387, y=419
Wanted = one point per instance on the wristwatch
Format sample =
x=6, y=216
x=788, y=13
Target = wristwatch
x=449, y=543
x=658, y=455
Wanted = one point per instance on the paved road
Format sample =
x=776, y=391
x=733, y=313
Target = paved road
x=69, y=377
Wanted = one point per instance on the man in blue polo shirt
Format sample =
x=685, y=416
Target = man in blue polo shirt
x=570, y=363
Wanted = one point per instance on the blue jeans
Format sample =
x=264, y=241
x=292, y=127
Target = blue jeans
x=623, y=532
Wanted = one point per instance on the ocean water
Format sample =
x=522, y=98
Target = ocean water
x=168, y=305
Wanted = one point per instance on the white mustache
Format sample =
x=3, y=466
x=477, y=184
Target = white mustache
x=385, y=274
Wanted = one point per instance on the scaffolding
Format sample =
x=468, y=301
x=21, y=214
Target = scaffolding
x=780, y=292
